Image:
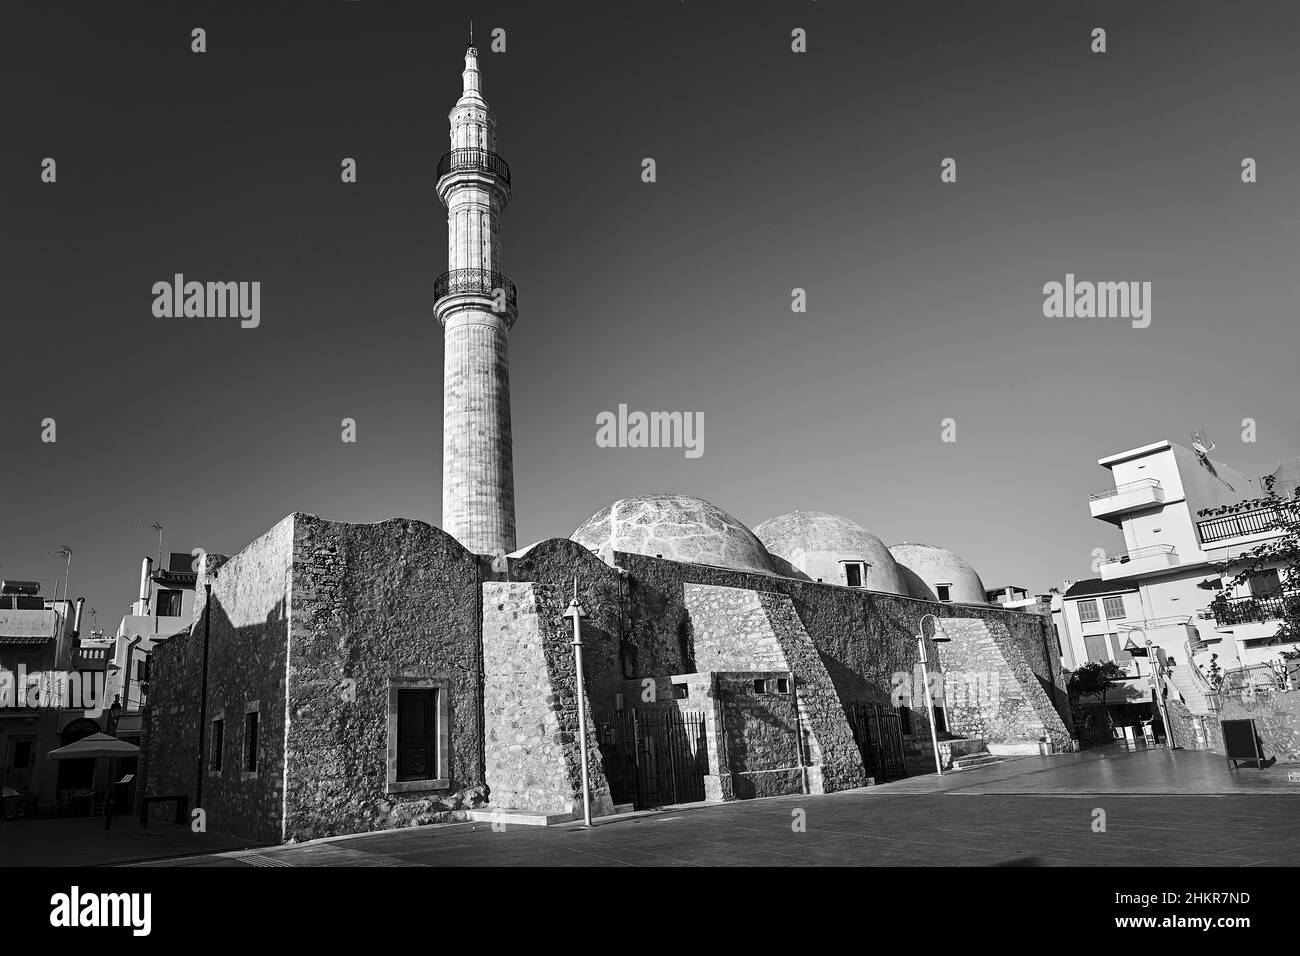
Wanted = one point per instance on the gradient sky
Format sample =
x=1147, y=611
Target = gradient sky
x=775, y=170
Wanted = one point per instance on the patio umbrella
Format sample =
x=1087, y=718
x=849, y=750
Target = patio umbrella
x=96, y=745
x=93, y=747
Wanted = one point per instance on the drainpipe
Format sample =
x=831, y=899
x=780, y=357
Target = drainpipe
x=203, y=696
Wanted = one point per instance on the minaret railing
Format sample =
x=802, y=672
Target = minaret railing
x=478, y=160
x=474, y=282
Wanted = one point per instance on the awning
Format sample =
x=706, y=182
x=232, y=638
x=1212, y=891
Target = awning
x=26, y=638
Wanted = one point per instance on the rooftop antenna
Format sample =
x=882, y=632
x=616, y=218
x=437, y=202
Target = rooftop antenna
x=157, y=526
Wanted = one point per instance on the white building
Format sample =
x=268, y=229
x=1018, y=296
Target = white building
x=1172, y=562
x=165, y=606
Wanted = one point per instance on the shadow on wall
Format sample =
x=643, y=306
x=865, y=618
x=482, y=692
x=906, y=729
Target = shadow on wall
x=243, y=761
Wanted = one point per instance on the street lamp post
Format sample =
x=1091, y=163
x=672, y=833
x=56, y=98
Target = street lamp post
x=577, y=613
x=925, y=680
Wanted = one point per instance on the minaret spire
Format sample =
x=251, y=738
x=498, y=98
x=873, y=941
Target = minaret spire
x=475, y=304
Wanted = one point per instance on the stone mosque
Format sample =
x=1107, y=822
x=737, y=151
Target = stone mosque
x=342, y=678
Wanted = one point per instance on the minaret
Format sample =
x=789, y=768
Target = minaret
x=475, y=304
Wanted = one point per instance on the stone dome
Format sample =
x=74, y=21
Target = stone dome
x=677, y=527
x=925, y=567
x=817, y=544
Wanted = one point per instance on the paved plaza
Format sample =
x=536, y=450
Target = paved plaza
x=1033, y=811
x=1161, y=808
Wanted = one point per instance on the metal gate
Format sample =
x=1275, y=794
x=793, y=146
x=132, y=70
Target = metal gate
x=656, y=758
x=878, y=733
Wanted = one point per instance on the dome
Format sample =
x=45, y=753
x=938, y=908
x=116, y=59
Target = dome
x=926, y=568
x=676, y=527
x=818, y=544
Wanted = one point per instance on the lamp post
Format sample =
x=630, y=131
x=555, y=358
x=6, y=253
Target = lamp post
x=577, y=613
x=925, y=680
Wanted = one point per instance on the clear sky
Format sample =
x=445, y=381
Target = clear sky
x=775, y=170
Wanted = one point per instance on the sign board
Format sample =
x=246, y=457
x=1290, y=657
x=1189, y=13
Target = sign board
x=1241, y=742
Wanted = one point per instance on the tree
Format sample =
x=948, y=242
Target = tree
x=1279, y=555
x=1095, y=678
x=1214, y=675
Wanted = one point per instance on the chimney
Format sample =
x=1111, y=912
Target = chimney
x=76, y=621
x=142, y=605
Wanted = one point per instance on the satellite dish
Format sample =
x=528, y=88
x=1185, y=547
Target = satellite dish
x=1201, y=445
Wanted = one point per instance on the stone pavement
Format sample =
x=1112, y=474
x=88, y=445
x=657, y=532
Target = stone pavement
x=82, y=841
x=1018, y=813
x=1115, y=769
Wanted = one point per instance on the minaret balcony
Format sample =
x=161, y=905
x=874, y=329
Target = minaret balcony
x=475, y=160
x=475, y=284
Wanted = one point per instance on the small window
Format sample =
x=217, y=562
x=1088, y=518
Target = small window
x=250, y=742
x=217, y=744
x=168, y=604
x=944, y=591
x=855, y=574
x=760, y=685
x=783, y=685
x=681, y=692
x=1114, y=608
x=1088, y=610
x=1118, y=654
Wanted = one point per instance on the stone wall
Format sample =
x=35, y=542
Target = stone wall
x=246, y=622
x=1277, y=720
x=372, y=604
x=739, y=630
x=760, y=733
x=864, y=637
x=534, y=757
x=990, y=691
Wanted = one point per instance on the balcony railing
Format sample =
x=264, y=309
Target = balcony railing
x=478, y=160
x=1139, y=554
x=1141, y=483
x=474, y=282
x=1257, y=521
x=1249, y=610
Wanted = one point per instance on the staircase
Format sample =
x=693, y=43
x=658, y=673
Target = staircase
x=1194, y=688
x=971, y=761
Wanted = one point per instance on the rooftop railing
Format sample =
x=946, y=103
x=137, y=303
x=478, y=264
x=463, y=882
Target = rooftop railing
x=1256, y=521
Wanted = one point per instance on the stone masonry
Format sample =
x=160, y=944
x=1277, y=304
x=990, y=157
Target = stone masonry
x=478, y=497
x=990, y=691
x=739, y=630
x=530, y=704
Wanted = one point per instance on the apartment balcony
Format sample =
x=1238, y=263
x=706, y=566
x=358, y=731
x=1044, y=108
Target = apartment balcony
x=1243, y=524
x=1251, y=609
x=1113, y=503
x=1139, y=563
